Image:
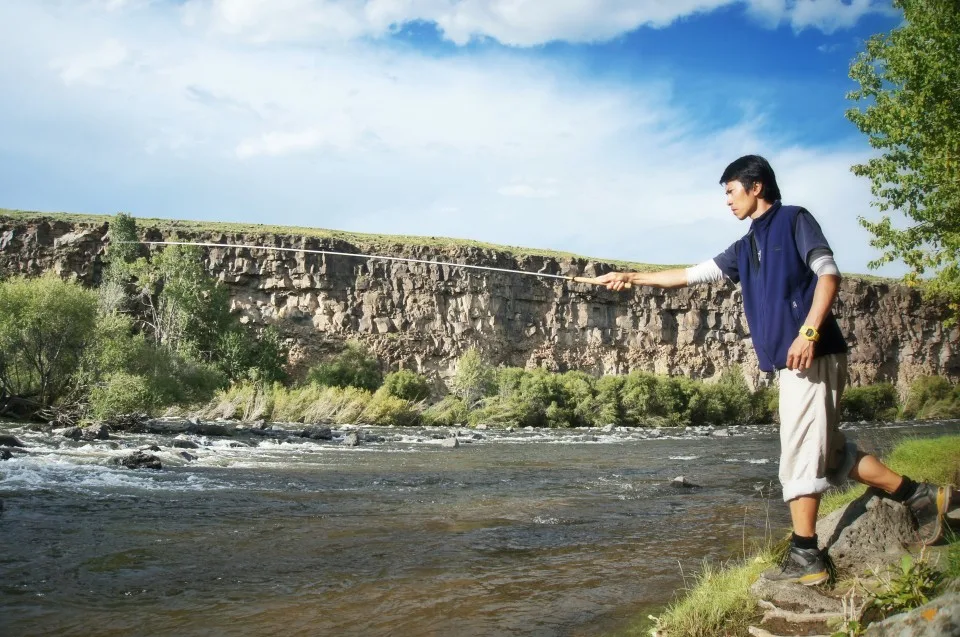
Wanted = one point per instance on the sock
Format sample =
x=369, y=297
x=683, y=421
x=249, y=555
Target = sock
x=804, y=542
x=906, y=489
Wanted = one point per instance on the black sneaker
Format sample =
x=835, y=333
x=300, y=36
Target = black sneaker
x=929, y=505
x=801, y=566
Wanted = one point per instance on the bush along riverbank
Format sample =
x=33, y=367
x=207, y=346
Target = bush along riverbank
x=883, y=583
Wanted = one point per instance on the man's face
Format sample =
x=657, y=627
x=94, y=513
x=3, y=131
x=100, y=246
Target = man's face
x=742, y=202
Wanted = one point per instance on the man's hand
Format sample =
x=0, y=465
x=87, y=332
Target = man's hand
x=615, y=280
x=800, y=354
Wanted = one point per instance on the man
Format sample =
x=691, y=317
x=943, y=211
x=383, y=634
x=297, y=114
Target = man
x=789, y=281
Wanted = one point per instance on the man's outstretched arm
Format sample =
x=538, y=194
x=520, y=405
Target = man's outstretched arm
x=675, y=278
x=706, y=272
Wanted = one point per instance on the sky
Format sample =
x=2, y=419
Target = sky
x=599, y=127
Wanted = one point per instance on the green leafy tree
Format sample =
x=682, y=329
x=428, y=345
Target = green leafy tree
x=46, y=326
x=474, y=378
x=909, y=98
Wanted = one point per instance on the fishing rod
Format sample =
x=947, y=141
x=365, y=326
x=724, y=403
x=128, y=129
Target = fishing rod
x=544, y=275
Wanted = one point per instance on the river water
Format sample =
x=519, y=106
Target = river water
x=517, y=533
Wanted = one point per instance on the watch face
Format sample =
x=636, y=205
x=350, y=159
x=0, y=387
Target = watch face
x=809, y=332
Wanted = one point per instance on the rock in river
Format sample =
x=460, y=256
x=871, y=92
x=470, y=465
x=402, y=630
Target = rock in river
x=317, y=432
x=7, y=440
x=139, y=460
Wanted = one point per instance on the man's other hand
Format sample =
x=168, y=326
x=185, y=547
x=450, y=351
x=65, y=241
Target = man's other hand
x=800, y=354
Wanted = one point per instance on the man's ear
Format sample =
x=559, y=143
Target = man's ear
x=756, y=188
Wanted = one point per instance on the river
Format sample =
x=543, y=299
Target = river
x=532, y=533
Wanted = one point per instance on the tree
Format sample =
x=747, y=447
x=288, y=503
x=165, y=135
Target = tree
x=473, y=379
x=910, y=109
x=46, y=325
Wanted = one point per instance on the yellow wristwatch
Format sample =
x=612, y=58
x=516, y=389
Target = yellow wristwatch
x=810, y=333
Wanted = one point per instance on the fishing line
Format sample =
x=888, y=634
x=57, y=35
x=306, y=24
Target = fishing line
x=544, y=275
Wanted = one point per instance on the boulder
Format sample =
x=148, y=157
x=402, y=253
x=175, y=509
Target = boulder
x=139, y=460
x=187, y=456
x=207, y=429
x=450, y=442
x=683, y=483
x=73, y=433
x=721, y=433
x=317, y=432
x=96, y=432
x=936, y=619
x=351, y=440
x=165, y=427
x=5, y=454
x=795, y=597
x=6, y=440
x=183, y=443
x=868, y=534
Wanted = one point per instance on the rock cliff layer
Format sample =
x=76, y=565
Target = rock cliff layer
x=424, y=316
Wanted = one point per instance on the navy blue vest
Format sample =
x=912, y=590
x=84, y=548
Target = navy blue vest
x=778, y=289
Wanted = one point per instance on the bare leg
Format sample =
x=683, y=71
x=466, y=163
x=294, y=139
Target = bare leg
x=803, y=514
x=871, y=472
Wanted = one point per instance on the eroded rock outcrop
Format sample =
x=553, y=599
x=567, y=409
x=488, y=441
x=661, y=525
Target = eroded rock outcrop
x=423, y=316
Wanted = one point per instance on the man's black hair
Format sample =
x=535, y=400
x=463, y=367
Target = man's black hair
x=752, y=169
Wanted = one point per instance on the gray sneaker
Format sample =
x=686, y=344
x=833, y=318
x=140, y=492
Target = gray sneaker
x=929, y=506
x=800, y=566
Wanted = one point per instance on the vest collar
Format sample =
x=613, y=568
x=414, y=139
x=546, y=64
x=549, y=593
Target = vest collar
x=766, y=218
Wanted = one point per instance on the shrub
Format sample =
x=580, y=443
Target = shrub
x=353, y=367
x=407, y=385
x=474, y=378
x=872, y=402
x=241, y=355
x=448, y=412
x=384, y=409
x=764, y=405
x=609, y=407
x=931, y=397
x=122, y=393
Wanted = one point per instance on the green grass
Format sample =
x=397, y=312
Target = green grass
x=720, y=602
x=375, y=243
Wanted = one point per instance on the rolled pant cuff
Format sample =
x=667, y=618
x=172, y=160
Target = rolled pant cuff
x=806, y=486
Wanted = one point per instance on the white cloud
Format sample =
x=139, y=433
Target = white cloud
x=830, y=15
x=90, y=67
x=510, y=22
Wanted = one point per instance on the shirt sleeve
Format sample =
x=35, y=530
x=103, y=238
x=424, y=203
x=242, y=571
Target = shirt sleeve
x=727, y=262
x=706, y=272
x=809, y=236
x=821, y=262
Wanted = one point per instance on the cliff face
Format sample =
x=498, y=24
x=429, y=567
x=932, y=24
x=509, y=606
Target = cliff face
x=423, y=316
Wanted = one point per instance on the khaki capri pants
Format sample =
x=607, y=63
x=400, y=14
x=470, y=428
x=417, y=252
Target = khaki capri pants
x=814, y=453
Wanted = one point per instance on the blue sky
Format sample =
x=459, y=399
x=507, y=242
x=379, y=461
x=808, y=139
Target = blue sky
x=598, y=127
